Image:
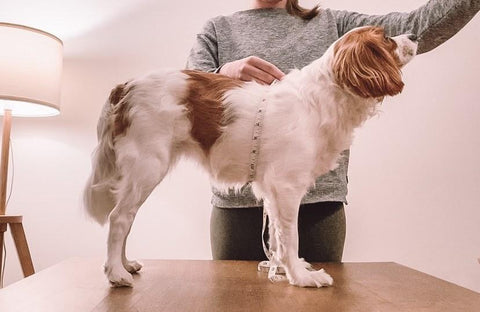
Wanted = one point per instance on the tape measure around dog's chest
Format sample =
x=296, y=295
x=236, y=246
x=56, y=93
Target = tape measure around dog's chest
x=257, y=133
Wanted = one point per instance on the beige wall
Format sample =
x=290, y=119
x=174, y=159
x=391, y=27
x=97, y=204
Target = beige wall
x=414, y=174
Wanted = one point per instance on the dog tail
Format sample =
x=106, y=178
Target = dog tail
x=99, y=194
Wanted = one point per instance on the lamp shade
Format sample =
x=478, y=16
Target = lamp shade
x=30, y=71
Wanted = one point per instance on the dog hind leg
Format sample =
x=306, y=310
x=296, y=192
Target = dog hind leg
x=132, y=266
x=139, y=178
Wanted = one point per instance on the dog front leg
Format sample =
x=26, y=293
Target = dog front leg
x=283, y=211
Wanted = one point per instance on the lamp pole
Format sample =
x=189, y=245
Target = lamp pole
x=7, y=125
x=15, y=222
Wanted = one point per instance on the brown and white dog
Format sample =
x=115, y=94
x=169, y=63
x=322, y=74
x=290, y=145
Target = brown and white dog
x=147, y=124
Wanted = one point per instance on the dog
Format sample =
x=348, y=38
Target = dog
x=308, y=119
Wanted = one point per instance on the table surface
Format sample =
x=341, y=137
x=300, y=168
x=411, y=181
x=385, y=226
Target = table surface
x=200, y=285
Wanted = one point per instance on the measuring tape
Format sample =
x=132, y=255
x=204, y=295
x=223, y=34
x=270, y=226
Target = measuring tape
x=275, y=273
x=257, y=132
x=265, y=266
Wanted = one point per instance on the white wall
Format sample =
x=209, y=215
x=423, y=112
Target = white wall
x=414, y=175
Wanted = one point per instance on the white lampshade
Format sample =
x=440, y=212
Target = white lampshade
x=30, y=71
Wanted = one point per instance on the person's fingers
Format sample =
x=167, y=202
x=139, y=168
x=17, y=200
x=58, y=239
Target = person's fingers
x=250, y=72
x=267, y=67
x=252, y=68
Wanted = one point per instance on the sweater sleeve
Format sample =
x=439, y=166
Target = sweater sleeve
x=204, y=53
x=433, y=23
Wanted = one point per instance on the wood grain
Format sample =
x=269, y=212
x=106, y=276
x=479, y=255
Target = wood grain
x=171, y=285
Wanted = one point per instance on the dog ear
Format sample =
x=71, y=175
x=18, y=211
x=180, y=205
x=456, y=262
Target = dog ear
x=367, y=67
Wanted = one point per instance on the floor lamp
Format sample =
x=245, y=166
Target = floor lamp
x=30, y=74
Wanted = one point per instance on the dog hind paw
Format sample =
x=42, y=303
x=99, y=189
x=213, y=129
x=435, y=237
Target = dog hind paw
x=133, y=266
x=119, y=277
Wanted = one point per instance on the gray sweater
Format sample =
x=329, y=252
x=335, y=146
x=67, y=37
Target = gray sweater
x=290, y=42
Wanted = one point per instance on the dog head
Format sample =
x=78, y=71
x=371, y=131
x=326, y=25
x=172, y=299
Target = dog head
x=368, y=63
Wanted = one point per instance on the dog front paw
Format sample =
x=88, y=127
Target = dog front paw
x=305, y=264
x=133, y=266
x=306, y=278
x=119, y=277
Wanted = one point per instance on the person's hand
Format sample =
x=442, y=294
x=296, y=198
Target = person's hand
x=252, y=68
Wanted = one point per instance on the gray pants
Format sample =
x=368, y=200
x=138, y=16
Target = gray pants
x=236, y=233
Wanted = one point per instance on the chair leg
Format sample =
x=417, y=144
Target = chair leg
x=20, y=240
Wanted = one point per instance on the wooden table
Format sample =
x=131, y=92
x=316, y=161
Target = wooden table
x=168, y=285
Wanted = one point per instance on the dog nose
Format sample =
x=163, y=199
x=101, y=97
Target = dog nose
x=412, y=37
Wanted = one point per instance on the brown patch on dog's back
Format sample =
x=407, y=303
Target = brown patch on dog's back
x=204, y=100
x=120, y=107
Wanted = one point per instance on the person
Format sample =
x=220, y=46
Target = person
x=262, y=44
